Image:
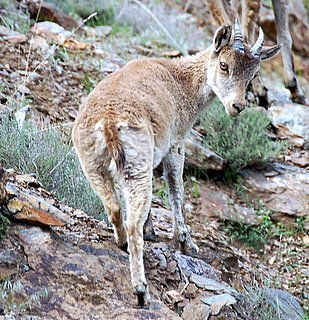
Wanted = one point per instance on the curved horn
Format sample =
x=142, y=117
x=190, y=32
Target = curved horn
x=257, y=47
x=238, y=39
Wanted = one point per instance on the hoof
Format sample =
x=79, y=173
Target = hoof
x=300, y=99
x=143, y=297
x=149, y=234
x=123, y=247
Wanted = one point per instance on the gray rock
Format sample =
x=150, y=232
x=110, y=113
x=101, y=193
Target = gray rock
x=216, y=203
x=103, y=31
x=190, y=265
x=209, y=284
x=217, y=302
x=292, y=122
x=196, y=311
x=11, y=36
x=284, y=303
x=200, y=157
x=286, y=193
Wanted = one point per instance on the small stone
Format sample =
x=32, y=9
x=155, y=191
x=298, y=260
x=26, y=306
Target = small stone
x=11, y=36
x=272, y=260
x=174, y=296
x=171, y=266
x=218, y=302
x=271, y=173
x=209, y=284
x=163, y=262
x=188, y=207
x=191, y=290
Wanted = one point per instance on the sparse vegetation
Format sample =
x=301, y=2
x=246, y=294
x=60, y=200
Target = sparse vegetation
x=240, y=141
x=13, y=16
x=254, y=236
x=54, y=162
x=160, y=189
x=260, y=308
x=4, y=224
x=14, y=298
x=257, y=236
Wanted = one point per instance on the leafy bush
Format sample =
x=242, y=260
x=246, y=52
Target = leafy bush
x=241, y=141
x=54, y=162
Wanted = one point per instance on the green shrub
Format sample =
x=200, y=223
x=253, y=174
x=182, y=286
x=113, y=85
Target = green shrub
x=54, y=163
x=241, y=141
x=106, y=9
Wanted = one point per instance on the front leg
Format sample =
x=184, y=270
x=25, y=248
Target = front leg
x=173, y=170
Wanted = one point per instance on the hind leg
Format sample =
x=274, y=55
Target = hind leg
x=135, y=181
x=103, y=185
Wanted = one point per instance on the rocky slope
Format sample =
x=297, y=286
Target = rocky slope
x=66, y=263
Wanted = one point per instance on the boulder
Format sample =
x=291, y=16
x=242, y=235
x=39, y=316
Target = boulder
x=286, y=192
x=200, y=157
x=292, y=122
x=216, y=203
x=284, y=304
x=50, y=31
x=7, y=35
x=41, y=11
x=196, y=311
x=53, y=32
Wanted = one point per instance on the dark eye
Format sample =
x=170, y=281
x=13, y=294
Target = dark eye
x=224, y=66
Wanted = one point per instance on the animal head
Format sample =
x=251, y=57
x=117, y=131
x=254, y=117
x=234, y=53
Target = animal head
x=233, y=65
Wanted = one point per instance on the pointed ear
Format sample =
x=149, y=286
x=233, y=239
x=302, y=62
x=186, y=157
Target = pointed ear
x=222, y=37
x=269, y=52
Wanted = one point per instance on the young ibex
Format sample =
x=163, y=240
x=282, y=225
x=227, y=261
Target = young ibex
x=224, y=10
x=140, y=115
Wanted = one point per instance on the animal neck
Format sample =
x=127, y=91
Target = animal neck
x=200, y=94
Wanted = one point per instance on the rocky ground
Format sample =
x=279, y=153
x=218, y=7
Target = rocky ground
x=75, y=271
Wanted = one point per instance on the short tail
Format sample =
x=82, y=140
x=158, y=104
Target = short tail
x=113, y=144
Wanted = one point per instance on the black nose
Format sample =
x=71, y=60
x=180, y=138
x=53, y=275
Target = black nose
x=239, y=107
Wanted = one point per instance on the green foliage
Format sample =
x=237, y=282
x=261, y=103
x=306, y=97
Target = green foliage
x=253, y=236
x=195, y=190
x=14, y=17
x=4, y=224
x=54, y=162
x=257, y=236
x=306, y=3
x=124, y=29
x=106, y=9
x=161, y=191
x=306, y=316
x=241, y=141
x=14, y=298
x=88, y=83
